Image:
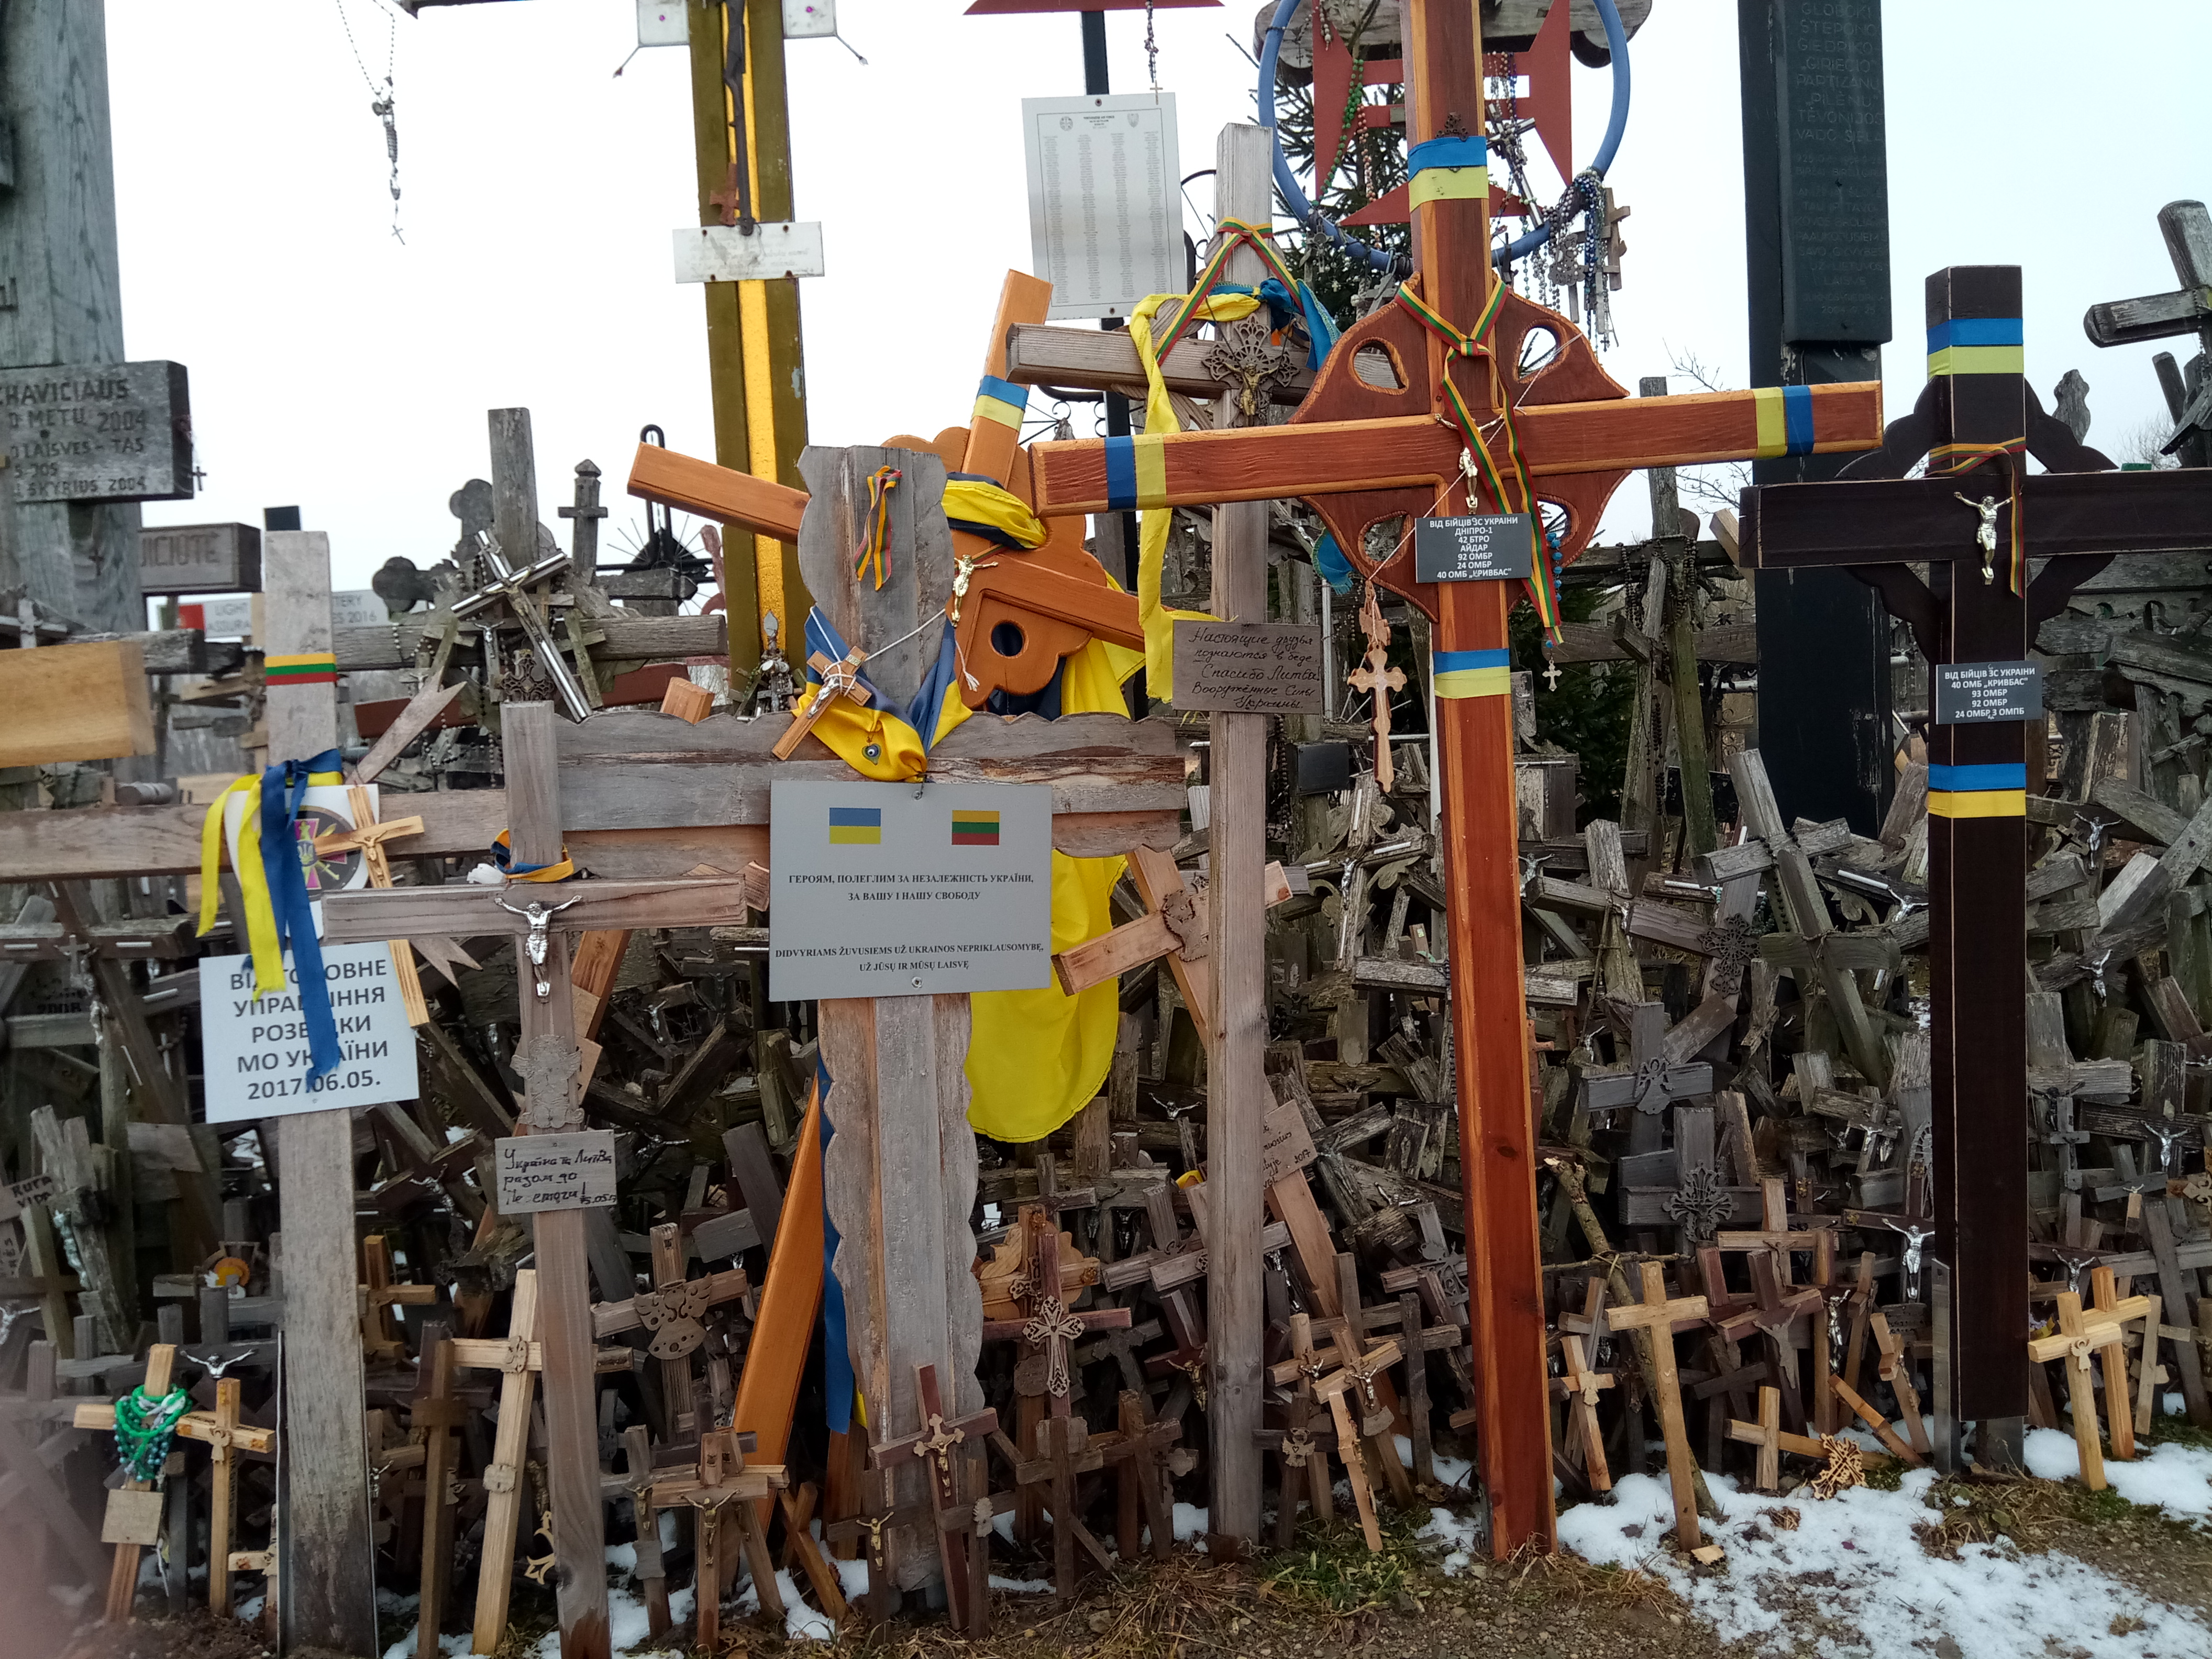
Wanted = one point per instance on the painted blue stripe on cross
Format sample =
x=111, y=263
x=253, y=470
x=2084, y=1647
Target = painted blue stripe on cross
x=1463, y=152
x=1005, y=391
x=1121, y=474
x=1797, y=419
x=1454, y=662
x=1972, y=780
x=1976, y=331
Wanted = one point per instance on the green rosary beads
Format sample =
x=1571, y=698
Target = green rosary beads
x=144, y=1428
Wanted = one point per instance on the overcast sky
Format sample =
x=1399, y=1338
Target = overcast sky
x=334, y=366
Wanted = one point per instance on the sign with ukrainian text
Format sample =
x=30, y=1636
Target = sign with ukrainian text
x=892, y=889
x=254, y=1049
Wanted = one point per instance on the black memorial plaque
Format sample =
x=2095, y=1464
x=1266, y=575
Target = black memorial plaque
x=98, y=432
x=1485, y=548
x=1834, y=172
x=1978, y=693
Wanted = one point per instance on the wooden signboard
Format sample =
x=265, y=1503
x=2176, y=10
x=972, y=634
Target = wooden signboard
x=98, y=432
x=1249, y=668
x=200, y=558
x=74, y=703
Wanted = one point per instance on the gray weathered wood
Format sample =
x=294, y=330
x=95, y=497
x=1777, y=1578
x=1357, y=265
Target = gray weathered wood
x=644, y=639
x=1041, y=354
x=331, y=1598
x=758, y=1188
x=1236, y=1084
x=919, y=558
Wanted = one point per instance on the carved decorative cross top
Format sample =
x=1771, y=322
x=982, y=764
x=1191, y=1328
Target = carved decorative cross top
x=1245, y=357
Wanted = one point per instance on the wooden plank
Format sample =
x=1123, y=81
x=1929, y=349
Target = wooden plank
x=767, y=1393
x=627, y=639
x=421, y=712
x=331, y=1597
x=707, y=491
x=1237, y=1096
x=1098, y=360
x=74, y=703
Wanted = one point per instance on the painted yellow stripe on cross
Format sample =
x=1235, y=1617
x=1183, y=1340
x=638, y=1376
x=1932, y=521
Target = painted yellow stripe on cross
x=1148, y=453
x=1978, y=803
x=1449, y=184
x=1475, y=683
x=1978, y=359
x=997, y=408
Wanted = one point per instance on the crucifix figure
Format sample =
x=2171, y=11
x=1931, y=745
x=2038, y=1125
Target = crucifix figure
x=1362, y=453
x=507, y=584
x=722, y=1494
x=934, y=1447
x=2064, y=525
x=1378, y=679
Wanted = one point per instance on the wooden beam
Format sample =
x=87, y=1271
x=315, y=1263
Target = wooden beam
x=707, y=491
x=1099, y=360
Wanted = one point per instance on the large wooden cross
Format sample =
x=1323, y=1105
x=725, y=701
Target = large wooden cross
x=2068, y=522
x=1363, y=452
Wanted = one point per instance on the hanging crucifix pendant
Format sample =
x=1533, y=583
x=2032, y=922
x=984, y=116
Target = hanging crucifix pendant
x=539, y=916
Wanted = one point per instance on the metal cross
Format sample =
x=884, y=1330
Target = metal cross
x=539, y=916
x=511, y=587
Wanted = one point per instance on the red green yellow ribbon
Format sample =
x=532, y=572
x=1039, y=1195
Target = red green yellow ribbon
x=1965, y=458
x=875, y=545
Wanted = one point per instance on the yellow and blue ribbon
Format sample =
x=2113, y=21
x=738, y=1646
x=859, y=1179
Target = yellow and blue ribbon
x=1001, y=401
x=980, y=506
x=282, y=788
x=1997, y=791
x=1977, y=345
x=1473, y=673
x=1785, y=420
x=1449, y=170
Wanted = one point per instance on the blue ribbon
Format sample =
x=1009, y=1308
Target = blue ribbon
x=837, y=1384
x=282, y=788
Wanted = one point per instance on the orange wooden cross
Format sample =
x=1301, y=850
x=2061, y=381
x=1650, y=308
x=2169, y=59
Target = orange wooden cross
x=1378, y=679
x=838, y=679
x=1377, y=439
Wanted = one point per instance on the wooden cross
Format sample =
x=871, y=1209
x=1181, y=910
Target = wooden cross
x=1050, y=1326
x=1661, y=1316
x=1767, y=1435
x=1896, y=1369
x=222, y=1433
x=1774, y=1236
x=883, y=1599
x=1355, y=1369
x=28, y=1490
x=368, y=837
x=1174, y=926
x=1657, y=1072
x=435, y=1413
x=1580, y=1388
x=1362, y=453
x=502, y=1476
x=2188, y=232
x=2078, y=1338
x=932, y=1448
x=381, y=1334
x=1873, y=1419
x=721, y=1494
x=1304, y=1441
x=671, y=1311
x=1378, y=679
x=420, y=1169
x=837, y=679
x=635, y=1483
x=1969, y=612
x=1699, y=1199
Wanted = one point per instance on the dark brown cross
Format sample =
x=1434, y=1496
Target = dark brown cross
x=1049, y=1326
x=635, y=1484
x=934, y=1446
x=419, y=1168
x=724, y=1493
x=1964, y=526
x=433, y=1412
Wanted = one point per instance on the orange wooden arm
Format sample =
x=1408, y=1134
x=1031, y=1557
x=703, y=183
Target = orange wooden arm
x=668, y=479
x=776, y=1358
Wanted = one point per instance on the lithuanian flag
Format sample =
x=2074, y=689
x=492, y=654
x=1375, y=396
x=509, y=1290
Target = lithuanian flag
x=971, y=829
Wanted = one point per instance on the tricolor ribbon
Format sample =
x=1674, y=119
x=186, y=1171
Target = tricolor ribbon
x=876, y=540
x=1543, y=584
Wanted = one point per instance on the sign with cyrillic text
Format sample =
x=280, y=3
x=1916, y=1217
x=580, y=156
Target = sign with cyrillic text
x=1485, y=548
x=254, y=1049
x=1249, y=668
x=555, y=1172
x=897, y=889
x=1980, y=693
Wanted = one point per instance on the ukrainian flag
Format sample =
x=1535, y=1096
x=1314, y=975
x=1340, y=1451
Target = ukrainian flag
x=1474, y=673
x=856, y=826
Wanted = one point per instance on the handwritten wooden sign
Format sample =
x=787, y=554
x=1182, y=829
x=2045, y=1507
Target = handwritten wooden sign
x=18, y=1196
x=1286, y=1144
x=1249, y=668
x=555, y=1172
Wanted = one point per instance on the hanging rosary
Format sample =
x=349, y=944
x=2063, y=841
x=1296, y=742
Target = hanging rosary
x=381, y=105
x=144, y=1428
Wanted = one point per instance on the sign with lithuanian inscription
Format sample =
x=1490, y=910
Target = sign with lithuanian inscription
x=200, y=558
x=896, y=889
x=98, y=432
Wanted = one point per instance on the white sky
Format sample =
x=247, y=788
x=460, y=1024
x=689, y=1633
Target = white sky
x=334, y=368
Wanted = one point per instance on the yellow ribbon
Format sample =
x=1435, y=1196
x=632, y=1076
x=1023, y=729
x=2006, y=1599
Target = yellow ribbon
x=974, y=501
x=252, y=879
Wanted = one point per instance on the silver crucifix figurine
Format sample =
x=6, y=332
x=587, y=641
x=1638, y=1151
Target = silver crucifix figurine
x=539, y=916
x=1985, y=533
x=512, y=586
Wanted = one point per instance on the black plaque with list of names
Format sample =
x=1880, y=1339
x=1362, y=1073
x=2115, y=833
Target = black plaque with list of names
x=1480, y=547
x=1835, y=172
x=1980, y=693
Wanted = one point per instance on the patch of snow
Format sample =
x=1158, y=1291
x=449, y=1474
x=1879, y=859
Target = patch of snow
x=624, y=1558
x=1461, y=1536
x=1022, y=1586
x=1451, y=1471
x=391, y=1601
x=1992, y=1602
x=1003, y=1526
x=1191, y=1523
x=800, y=1622
x=853, y=1577
x=2173, y=1477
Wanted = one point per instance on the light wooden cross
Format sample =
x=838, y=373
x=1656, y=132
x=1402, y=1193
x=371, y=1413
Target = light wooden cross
x=221, y=1433
x=933, y=1447
x=838, y=679
x=434, y=1413
x=1174, y=926
x=368, y=836
x=1767, y=1435
x=722, y=1494
x=1357, y=1369
x=1775, y=1237
x=1580, y=1388
x=1363, y=452
x=1898, y=1447
x=1378, y=679
x=1306, y=1441
x=1661, y=1318
x=1896, y=1369
x=502, y=1477
x=2080, y=1336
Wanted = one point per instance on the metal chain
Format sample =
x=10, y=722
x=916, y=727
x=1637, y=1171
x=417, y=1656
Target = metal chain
x=382, y=104
x=1151, y=49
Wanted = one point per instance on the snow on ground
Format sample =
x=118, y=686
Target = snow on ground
x=1190, y=1524
x=1460, y=1535
x=1889, y=1595
x=2173, y=1477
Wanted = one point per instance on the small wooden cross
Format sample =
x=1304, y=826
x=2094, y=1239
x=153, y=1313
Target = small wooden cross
x=635, y=1483
x=1580, y=1388
x=1050, y=1325
x=1355, y=1368
x=671, y=1311
x=841, y=679
x=1874, y=1420
x=932, y=1446
x=1375, y=677
x=368, y=836
x=2078, y=1337
x=1767, y=1435
x=513, y=1359
x=1896, y=1369
x=722, y=1493
x=381, y=1337
x=1659, y=1316
x=434, y=1412
x=222, y=1433
x=1774, y=1236
x=883, y=1599
x=1174, y=926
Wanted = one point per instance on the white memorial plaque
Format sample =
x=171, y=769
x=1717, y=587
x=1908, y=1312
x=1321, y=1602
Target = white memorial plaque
x=555, y=1172
x=885, y=889
x=725, y=253
x=1105, y=200
x=253, y=1050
